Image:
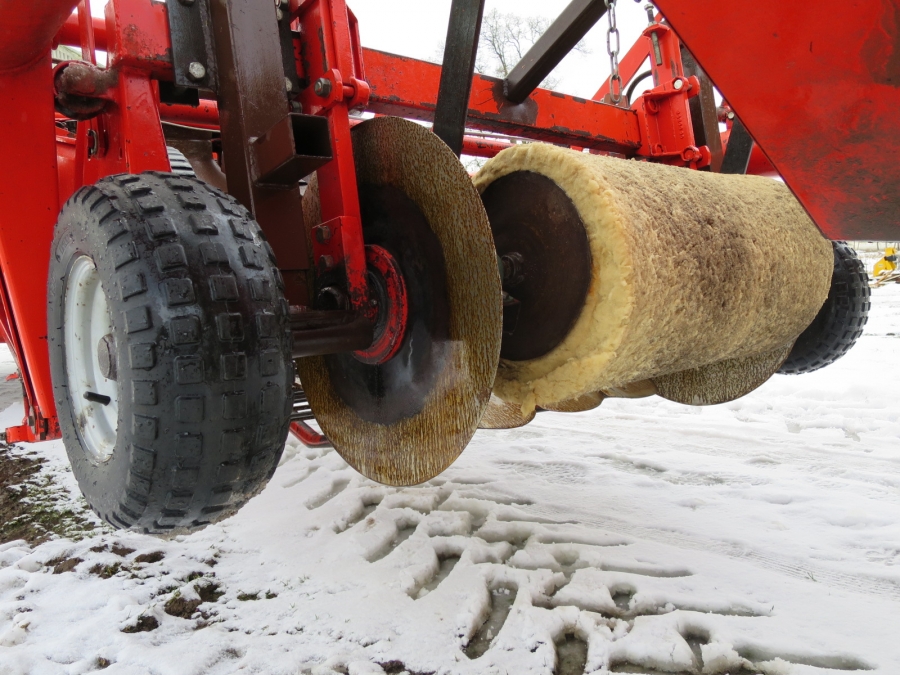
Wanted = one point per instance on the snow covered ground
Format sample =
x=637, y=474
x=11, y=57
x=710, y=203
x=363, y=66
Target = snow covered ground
x=642, y=537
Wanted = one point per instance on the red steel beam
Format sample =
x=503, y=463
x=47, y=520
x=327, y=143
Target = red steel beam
x=29, y=185
x=407, y=87
x=818, y=86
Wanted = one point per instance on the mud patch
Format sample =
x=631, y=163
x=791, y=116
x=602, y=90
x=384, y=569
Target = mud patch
x=32, y=507
x=397, y=667
x=153, y=557
x=144, y=624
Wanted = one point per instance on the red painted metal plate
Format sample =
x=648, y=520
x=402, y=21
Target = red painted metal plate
x=818, y=87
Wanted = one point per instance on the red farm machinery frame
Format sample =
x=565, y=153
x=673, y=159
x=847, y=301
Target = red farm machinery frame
x=816, y=85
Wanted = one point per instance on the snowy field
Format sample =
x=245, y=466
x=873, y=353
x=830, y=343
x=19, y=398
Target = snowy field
x=760, y=536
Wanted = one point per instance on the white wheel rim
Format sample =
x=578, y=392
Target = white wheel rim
x=86, y=321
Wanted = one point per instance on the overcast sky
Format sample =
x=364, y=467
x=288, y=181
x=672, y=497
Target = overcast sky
x=417, y=28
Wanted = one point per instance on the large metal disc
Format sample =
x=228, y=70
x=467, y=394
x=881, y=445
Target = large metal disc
x=406, y=420
x=502, y=415
x=723, y=381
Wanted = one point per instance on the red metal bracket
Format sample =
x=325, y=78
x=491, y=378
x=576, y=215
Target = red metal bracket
x=664, y=111
x=331, y=47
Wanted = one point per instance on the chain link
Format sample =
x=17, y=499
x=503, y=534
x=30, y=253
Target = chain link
x=612, y=36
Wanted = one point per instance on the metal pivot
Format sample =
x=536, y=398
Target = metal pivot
x=704, y=118
x=740, y=145
x=456, y=74
x=552, y=47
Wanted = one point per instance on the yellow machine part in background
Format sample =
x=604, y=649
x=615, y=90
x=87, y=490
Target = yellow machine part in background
x=887, y=264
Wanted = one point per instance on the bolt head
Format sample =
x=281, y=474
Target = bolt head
x=196, y=71
x=322, y=87
x=323, y=233
x=279, y=14
x=730, y=114
x=678, y=84
x=288, y=85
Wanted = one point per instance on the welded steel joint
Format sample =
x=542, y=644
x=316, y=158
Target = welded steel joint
x=82, y=90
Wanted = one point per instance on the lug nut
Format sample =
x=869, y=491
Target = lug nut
x=196, y=71
x=322, y=87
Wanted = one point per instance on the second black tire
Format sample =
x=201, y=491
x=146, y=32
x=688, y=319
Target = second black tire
x=203, y=369
x=840, y=321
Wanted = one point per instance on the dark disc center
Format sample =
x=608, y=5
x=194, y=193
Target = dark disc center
x=544, y=251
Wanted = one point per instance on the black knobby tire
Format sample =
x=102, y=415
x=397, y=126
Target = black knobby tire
x=200, y=329
x=840, y=322
x=179, y=163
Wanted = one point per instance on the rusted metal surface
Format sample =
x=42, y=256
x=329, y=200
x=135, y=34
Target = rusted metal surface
x=325, y=332
x=552, y=47
x=824, y=109
x=543, y=244
x=704, y=120
x=81, y=90
x=455, y=85
x=190, y=33
x=252, y=101
x=408, y=87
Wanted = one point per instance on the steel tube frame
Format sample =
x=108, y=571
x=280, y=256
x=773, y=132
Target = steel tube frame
x=29, y=193
x=460, y=50
x=552, y=47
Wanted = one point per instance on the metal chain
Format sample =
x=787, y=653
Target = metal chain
x=612, y=36
x=615, y=80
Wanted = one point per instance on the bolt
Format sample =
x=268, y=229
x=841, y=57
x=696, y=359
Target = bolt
x=322, y=87
x=678, y=84
x=279, y=14
x=288, y=84
x=296, y=106
x=730, y=114
x=651, y=12
x=196, y=71
x=323, y=233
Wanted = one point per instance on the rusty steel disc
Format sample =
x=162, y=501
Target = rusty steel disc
x=502, y=415
x=542, y=243
x=723, y=381
x=404, y=421
x=581, y=403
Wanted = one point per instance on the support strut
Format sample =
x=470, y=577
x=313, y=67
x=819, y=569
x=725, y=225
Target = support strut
x=740, y=145
x=552, y=47
x=456, y=74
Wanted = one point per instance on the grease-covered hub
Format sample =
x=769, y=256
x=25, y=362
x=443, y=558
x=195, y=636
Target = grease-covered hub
x=390, y=382
x=544, y=252
x=388, y=306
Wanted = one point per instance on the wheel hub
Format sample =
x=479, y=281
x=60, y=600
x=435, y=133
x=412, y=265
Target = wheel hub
x=90, y=360
x=388, y=306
